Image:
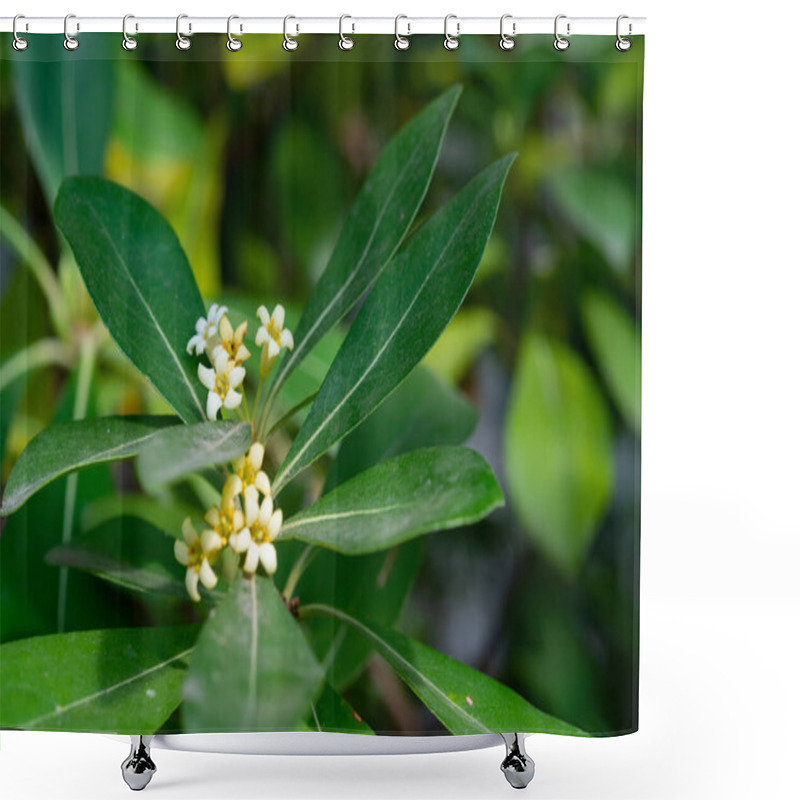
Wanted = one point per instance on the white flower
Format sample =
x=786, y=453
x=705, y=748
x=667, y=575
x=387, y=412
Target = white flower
x=232, y=341
x=227, y=520
x=258, y=542
x=193, y=552
x=253, y=479
x=221, y=382
x=206, y=330
x=272, y=336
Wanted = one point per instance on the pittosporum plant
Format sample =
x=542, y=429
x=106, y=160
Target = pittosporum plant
x=255, y=660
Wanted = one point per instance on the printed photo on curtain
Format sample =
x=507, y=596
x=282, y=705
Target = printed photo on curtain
x=320, y=386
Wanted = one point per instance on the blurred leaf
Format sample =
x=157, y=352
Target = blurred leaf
x=464, y=700
x=333, y=714
x=427, y=490
x=467, y=335
x=68, y=446
x=602, y=207
x=64, y=100
x=174, y=162
x=412, y=302
x=255, y=63
x=253, y=669
x=140, y=282
x=616, y=344
x=377, y=222
x=175, y=452
x=421, y=412
x=167, y=517
x=128, y=552
x=558, y=451
x=107, y=681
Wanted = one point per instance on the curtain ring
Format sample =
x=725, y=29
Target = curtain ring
x=19, y=44
x=622, y=43
x=128, y=42
x=234, y=44
x=70, y=42
x=507, y=42
x=401, y=42
x=289, y=42
x=345, y=42
x=182, y=42
x=451, y=42
x=560, y=43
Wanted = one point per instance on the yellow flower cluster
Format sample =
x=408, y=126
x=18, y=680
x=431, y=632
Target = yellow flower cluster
x=246, y=521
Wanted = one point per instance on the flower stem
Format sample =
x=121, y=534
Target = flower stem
x=298, y=568
x=39, y=354
x=289, y=414
x=19, y=239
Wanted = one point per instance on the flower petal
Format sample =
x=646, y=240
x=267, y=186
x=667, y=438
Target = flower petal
x=251, y=504
x=182, y=553
x=263, y=314
x=261, y=336
x=211, y=541
x=213, y=405
x=261, y=482
x=207, y=376
x=241, y=541
x=232, y=399
x=255, y=455
x=235, y=377
x=278, y=316
x=275, y=524
x=220, y=358
x=192, y=578
x=226, y=329
x=265, y=512
x=251, y=559
x=287, y=340
x=207, y=575
x=212, y=517
x=188, y=531
x=269, y=558
x=273, y=348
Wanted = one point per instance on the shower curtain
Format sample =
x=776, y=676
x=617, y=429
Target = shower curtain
x=320, y=389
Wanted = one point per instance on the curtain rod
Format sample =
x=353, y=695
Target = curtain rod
x=457, y=26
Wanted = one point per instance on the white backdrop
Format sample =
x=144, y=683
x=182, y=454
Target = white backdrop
x=720, y=529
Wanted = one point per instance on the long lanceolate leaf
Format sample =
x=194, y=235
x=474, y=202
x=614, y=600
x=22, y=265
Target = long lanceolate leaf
x=139, y=280
x=178, y=451
x=378, y=221
x=411, y=304
x=107, y=681
x=464, y=700
x=68, y=446
x=415, y=493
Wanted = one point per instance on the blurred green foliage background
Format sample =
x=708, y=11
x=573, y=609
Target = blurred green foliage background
x=254, y=158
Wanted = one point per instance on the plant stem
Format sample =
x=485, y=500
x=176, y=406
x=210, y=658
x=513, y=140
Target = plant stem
x=88, y=352
x=298, y=568
x=290, y=413
x=39, y=354
x=35, y=260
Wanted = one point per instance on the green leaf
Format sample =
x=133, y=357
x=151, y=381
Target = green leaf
x=423, y=411
x=253, y=669
x=166, y=516
x=616, y=345
x=106, y=681
x=464, y=700
x=415, y=493
x=64, y=101
x=331, y=713
x=127, y=552
x=558, y=451
x=139, y=280
x=69, y=446
x=378, y=220
x=411, y=304
x=183, y=449
x=602, y=207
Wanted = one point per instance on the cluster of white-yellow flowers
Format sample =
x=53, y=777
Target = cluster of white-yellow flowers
x=246, y=520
